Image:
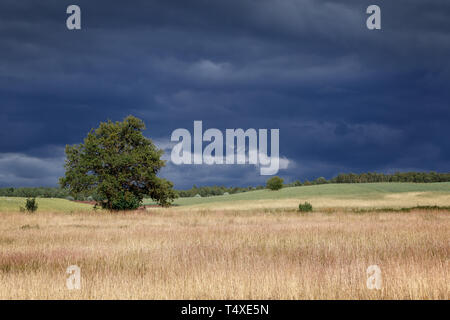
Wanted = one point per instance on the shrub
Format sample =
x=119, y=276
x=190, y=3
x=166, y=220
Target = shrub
x=226, y=194
x=31, y=205
x=305, y=207
x=125, y=201
x=274, y=183
x=70, y=198
x=198, y=196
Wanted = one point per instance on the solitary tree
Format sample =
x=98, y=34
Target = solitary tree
x=118, y=165
x=274, y=183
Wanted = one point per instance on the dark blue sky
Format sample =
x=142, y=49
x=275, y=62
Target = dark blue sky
x=344, y=98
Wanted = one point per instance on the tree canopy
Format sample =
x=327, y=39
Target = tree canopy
x=118, y=165
x=274, y=183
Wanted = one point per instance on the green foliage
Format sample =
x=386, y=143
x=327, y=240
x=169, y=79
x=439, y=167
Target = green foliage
x=305, y=207
x=274, y=183
x=296, y=183
x=36, y=192
x=208, y=191
x=125, y=201
x=118, y=164
x=31, y=205
x=320, y=180
x=418, y=177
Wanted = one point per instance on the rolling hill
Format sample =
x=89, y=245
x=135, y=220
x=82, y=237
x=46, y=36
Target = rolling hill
x=364, y=195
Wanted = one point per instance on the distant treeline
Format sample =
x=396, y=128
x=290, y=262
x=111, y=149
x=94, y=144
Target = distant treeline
x=419, y=177
x=214, y=191
x=41, y=192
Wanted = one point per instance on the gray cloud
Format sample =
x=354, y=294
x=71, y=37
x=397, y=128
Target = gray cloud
x=22, y=170
x=344, y=98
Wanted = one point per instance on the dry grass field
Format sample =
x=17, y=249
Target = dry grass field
x=225, y=254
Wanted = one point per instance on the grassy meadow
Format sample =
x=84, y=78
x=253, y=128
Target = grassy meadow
x=364, y=195
x=13, y=204
x=244, y=246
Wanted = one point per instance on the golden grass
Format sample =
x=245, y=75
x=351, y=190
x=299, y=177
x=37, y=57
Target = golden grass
x=218, y=254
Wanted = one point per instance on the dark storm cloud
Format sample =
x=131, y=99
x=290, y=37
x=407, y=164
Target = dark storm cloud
x=345, y=98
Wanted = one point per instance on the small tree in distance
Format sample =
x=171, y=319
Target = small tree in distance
x=274, y=183
x=118, y=165
x=31, y=205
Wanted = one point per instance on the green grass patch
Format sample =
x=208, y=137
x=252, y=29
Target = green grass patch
x=13, y=204
x=356, y=190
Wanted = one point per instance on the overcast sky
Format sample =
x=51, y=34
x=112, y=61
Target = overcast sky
x=345, y=98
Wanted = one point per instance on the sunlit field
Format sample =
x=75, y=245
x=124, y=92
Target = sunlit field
x=366, y=195
x=12, y=204
x=196, y=252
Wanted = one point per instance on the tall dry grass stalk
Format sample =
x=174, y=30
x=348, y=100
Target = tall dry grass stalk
x=174, y=254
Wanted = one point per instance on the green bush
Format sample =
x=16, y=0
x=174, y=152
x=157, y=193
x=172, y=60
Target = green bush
x=31, y=205
x=70, y=198
x=305, y=207
x=123, y=201
x=274, y=183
